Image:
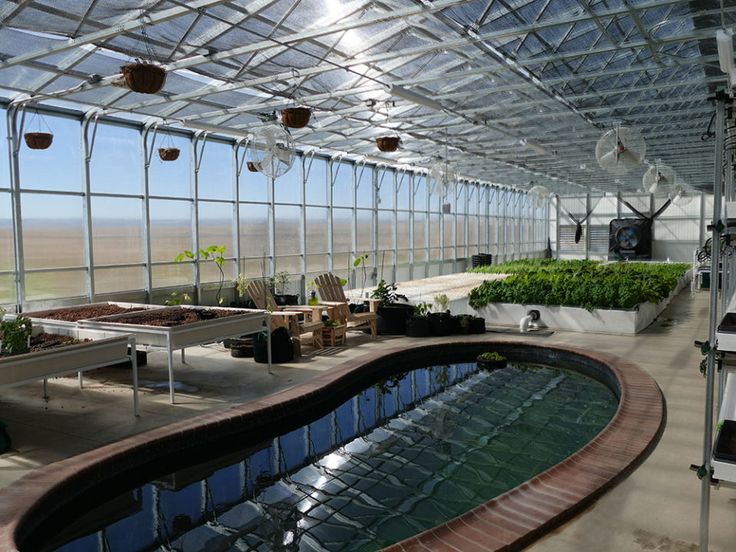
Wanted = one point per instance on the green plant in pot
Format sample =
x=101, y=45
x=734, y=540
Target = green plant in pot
x=15, y=336
x=440, y=320
x=279, y=283
x=214, y=253
x=391, y=313
x=417, y=325
x=491, y=360
x=469, y=324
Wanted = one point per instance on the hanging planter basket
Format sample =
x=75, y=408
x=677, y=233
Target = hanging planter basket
x=388, y=143
x=296, y=117
x=38, y=140
x=144, y=78
x=169, y=154
x=252, y=166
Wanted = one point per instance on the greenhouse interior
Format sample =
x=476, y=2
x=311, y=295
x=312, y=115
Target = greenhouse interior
x=360, y=275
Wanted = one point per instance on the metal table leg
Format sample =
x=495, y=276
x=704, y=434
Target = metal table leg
x=170, y=358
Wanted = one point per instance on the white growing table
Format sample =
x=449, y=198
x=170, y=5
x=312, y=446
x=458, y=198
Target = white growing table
x=172, y=338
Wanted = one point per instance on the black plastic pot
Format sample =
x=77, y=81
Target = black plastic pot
x=418, y=326
x=245, y=303
x=243, y=350
x=492, y=364
x=440, y=322
x=281, y=348
x=286, y=299
x=391, y=319
x=456, y=324
x=477, y=325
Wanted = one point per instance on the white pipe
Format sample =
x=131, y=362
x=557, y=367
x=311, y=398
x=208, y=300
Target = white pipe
x=524, y=323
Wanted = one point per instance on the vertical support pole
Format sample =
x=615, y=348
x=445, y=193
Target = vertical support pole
x=87, y=149
x=374, y=217
x=357, y=173
x=557, y=226
x=441, y=229
x=498, y=227
x=398, y=175
x=587, y=226
x=237, y=173
x=14, y=160
x=427, y=227
x=271, y=226
x=308, y=157
x=147, y=257
x=713, y=321
x=412, y=198
x=330, y=175
x=197, y=155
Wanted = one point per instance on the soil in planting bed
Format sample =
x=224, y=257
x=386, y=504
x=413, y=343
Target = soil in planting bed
x=81, y=313
x=45, y=341
x=176, y=316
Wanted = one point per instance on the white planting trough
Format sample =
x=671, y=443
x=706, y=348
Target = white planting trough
x=610, y=321
x=171, y=338
x=104, y=349
x=50, y=323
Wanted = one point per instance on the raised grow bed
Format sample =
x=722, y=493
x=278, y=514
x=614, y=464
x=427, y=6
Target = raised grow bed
x=64, y=317
x=176, y=328
x=619, y=298
x=61, y=351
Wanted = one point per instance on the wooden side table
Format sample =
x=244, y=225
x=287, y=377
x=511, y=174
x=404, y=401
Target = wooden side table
x=330, y=336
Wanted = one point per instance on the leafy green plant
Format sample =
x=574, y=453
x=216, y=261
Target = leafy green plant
x=491, y=356
x=176, y=298
x=422, y=309
x=331, y=323
x=386, y=293
x=359, y=262
x=442, y=302
x=15, y=336
x=241, y=285
x=215, y=253
x=587, y=284
x=279, y=281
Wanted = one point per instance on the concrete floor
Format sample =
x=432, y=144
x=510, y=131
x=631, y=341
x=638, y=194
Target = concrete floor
x=656, y=508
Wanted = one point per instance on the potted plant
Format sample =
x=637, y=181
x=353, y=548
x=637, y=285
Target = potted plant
x=295, y=117
x=15, y=336
x=440, y=321
x=213, y=253
x=144, y=77
x=242, y=300
x=169, y=153
x=392, y=314
x=491, y=360
x=39, y=139
x=278, y=284
x=417, y=325
x=387, y=144
x=473, y=324
x=333, y=333
x=359, y=263
x=282, y=348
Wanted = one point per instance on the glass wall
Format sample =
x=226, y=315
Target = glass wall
x=113, y=221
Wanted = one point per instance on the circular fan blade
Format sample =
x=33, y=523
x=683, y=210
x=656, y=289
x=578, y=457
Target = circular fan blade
x=539, y=195
x=619, y=150
x=272, y=152
x=658, y=179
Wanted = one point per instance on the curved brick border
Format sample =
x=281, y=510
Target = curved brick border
x=508, y=522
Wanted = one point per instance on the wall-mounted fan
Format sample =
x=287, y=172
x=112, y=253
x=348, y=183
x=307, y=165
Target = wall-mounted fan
x=658, y=179
x=539, y=195
x=620, y=149
x=272, y=152
x=441, y=175
x=681, y=194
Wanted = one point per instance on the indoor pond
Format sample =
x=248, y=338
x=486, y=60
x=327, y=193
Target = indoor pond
x=400, y=457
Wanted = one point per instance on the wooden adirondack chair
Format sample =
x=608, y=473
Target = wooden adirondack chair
x=332, y=294
x=288, y=316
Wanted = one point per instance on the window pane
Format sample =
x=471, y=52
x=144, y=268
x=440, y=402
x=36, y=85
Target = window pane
x=59, y=166
x=385, y=230
x=117, y=231
x=216, y=171
x=53, y=233
x=420, y=221
x=288, y=230
x=434, y=230
x=171, y=229
x=342, y=190
x=316, y=263
x=52, y=285
x=316, y=230
x=253, y=230
x=110, y=280
x=7, y=289
x=365, y=187
x=208, y=271
x=171, y=275
x=402, y=231
x=404, y=189
x=171, y=178
x=386, y=190
x=253, y=185
x=291, y=264
x=288, y=188
x=364, y=237
x=216, y=226
x=116, y=163
x=342, y=229
x=7, y=258
x=316, y=192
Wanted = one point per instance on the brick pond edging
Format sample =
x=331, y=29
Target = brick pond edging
x=508, y=522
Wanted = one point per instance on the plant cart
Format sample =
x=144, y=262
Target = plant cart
x=179, y=337
x=102, y=349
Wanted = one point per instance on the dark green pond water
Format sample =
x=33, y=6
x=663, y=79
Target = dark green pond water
x=400, y=457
